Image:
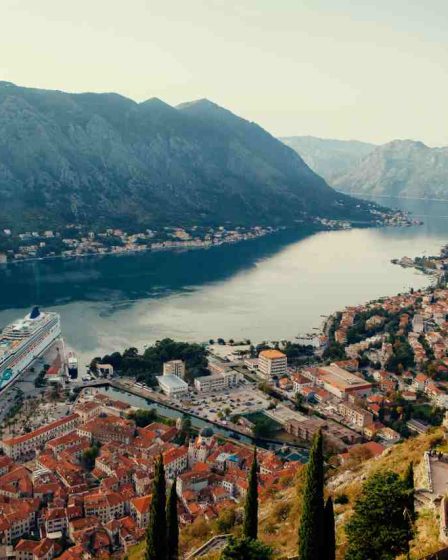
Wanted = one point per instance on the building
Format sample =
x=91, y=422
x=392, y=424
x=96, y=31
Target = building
x=217, y=382
x=108, y=428
x=26, y=446
x=105, y=370
x=173, y=386
x=201, y=447
x=355, y=415
x=175, y=461
x=342, y=383
x=272, y=362
x=34, y=550
x=140, y=509
x=174, y=367
x=106, y=506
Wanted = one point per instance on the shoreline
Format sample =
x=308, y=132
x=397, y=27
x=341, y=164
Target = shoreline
x=130, y=252
x=318, y=227
x=388, y=196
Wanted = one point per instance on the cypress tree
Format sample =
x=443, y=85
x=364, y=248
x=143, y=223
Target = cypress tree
x=311, y=522
x=172, y=525
x=409, y=484
x=250, y=524
x=156, y=532
x=329, y=539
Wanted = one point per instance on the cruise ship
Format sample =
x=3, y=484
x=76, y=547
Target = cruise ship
x=25, y=340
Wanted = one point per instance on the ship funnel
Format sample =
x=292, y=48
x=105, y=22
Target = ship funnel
x=34, y=313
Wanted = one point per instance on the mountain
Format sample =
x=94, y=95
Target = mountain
x=104, y=159
x=402, y=168
x=327, y=157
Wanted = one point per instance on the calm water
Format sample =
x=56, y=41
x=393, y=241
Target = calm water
x=266, y=289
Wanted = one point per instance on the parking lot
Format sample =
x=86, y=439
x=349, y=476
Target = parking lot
x=221, y=405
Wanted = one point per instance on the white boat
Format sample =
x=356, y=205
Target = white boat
x=24, y=341
x=72, y=364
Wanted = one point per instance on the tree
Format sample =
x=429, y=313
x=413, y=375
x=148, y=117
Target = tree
x=311, y=522
x=408, y=480
x=246, y=549
x=156, y=531
x=262, y=427
x=379, y=528
x=143, y=417
x=250, y=523
x=89, y=455
x=172, y=525
x=329, y=536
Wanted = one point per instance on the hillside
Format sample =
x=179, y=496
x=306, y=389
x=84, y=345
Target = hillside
x=280, y=511
x=105, y=159
x=402, y=168
x=327, y=157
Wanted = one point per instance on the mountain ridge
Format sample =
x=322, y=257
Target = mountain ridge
x=403, y=168
x=83, y=157
x=329, y=157
x=400, y=168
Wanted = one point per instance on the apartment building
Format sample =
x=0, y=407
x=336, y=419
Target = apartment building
x=174, y=367
x=355, y=415
x=272, y=362
x=217, y=382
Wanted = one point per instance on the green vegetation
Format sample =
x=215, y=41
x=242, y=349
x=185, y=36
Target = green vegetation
x=89, y=456
x=329, y=535
x=246, y=549
x=263, y=426
x=408, y=480
x=312, y=518
x=250, y=523
x=143, y=417
x=358, y=331
x=40, y=380
x=145, y=367
x=403, y=356
x=156, y=532
x=380, y=529
x=172, y=525
x=335, y=351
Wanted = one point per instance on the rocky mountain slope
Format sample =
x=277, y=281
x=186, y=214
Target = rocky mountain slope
x=105, y=159
x=401, y=168
x=327, y=157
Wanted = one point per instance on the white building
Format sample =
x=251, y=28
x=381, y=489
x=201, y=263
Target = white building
x=174, y=367
x=217, y=382
x=173, y=386
x=272, y=362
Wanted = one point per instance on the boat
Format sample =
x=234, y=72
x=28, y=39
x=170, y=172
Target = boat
x=24, y=341
x=72, y=364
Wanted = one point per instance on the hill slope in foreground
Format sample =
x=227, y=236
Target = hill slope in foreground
x=105, y=159
x=280, y=509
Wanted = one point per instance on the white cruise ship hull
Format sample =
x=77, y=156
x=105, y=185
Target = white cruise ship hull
x=30, y=348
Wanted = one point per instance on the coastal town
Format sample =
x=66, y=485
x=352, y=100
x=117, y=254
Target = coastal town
x=78, y=479
x=76, y=241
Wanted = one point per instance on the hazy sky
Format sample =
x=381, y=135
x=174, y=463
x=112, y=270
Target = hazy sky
x=373, y=70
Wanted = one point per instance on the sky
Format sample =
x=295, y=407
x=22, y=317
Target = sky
x=349, y=69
